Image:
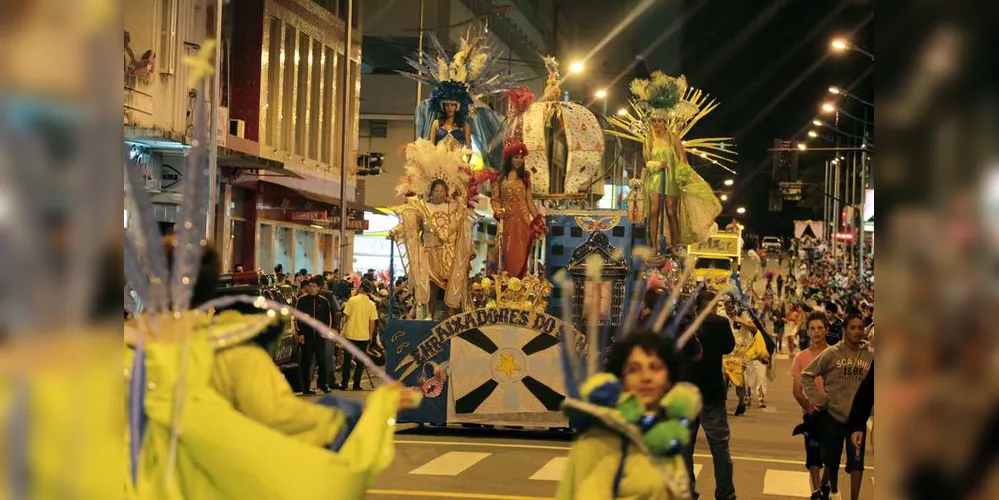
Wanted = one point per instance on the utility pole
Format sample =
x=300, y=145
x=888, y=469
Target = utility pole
x=345, y=117
x=213, y=139
x=825, y=203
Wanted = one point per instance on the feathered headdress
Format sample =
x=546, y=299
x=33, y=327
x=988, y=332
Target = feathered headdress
x=514, y=149
x=670, y=98
x=463, y=78
x=426, y=163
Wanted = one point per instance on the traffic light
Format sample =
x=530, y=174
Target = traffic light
x=370, y=163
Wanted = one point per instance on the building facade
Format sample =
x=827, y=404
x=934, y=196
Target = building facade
x=282, y=137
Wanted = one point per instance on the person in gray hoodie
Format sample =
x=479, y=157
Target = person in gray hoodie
x=842, y=368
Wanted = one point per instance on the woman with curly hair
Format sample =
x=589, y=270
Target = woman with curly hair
x=633, y=422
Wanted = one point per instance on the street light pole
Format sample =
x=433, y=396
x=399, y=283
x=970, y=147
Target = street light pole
x=825, y=203
x=345, y=159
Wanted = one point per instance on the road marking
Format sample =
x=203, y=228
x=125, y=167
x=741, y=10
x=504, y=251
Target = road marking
x=480, y=444
x=451, y=463
x=787, y=483
x=451, y=494
x=552, y=471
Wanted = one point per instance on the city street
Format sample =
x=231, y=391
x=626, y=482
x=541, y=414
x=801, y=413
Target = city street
x=494, y=464
x=455, y=462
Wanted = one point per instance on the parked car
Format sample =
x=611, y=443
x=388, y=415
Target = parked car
x=286, y=351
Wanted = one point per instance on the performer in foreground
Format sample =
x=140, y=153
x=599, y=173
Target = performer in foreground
x=634, y=422
x=208, y=413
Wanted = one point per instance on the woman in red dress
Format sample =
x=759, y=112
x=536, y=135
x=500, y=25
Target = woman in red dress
x=514, y=207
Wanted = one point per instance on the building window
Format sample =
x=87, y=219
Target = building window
x=273, y=77
x=329, y=112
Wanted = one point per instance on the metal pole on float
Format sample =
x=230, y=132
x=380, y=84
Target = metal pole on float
x=419, y=84
x=863, y=222
x=345, y=117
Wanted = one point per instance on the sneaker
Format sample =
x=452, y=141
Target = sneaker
x=762, y=404
x=825, y=490
x=816, y=495
x=309, y=392
x=327, y=390
x=739, y=410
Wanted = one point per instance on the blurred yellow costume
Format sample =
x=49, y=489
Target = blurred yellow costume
x=239, y=431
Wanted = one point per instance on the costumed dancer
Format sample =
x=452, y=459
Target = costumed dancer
x=514, y=206
x=436, y=224
x=633, y=420
x=208, y=413
x=749, y=347
x=454, y=113
x=663, y=112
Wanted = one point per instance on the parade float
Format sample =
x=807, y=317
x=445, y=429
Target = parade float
x=500, y=360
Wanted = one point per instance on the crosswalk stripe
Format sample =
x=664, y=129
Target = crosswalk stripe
x=787, y=483
x=552, y=471
x=451, y=463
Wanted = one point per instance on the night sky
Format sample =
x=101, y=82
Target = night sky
x=768, y=62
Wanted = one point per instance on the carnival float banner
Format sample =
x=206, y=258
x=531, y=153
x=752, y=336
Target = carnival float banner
x=495, y=365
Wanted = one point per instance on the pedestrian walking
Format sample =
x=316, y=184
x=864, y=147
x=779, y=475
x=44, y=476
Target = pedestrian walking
x=361, y=315
x=313, y=344
x=780, y=285
x=842, y=367
x=716, y=339
x=812, y=419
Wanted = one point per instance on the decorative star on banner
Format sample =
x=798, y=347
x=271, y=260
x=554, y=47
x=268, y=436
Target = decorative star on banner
x=201, y=65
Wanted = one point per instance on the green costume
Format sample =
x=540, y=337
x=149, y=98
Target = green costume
x=614, y=458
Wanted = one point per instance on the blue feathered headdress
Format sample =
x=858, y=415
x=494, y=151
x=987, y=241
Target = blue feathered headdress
x=451, y=91
x=464, y=77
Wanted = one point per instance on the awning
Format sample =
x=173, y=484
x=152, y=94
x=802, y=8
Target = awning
x=241, y=153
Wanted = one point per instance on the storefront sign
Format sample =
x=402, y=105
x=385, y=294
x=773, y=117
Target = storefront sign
x=307, y=215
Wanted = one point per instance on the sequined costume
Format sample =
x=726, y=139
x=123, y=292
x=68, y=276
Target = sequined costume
x=698, y=204
x=437, y=236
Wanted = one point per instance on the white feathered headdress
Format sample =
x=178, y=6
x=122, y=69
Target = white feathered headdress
x=426, y=163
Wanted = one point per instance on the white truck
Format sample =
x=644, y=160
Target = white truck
x=771, y=245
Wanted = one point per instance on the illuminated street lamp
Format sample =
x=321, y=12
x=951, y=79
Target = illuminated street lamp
x=724, y=197
x=813, y=134
x=622, y=112
x=729, y=182
x=835, y=90
x=600, y=94
x=576, y=67
x=802, y=146
x=843, y=45
x=828, y=107
x=740, y=210
x=817, y=123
